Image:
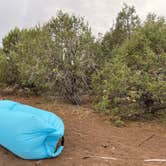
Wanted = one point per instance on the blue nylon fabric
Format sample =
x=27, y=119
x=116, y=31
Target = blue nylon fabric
x=29, y=132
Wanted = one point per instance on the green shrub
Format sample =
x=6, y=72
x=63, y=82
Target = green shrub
x=71, y=58
x=133, y=82
x=26, y=55
x=8, y=72
x=57, y=57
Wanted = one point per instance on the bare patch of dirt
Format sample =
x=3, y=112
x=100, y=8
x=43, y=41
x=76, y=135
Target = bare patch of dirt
x=91, y=140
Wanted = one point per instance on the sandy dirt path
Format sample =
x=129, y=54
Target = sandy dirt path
x=91, y=140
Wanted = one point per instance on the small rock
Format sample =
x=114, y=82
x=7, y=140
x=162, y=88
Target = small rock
x=38, y=163
x=104, y=145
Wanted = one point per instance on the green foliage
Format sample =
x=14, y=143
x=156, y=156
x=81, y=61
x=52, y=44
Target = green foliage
x=126, y=22
x=8, y=74
x=71, y=58
x=31, y=59
x=133, y=81
x=56, y=57
x=2, y=66
x=10, y=41
x=26, y=54
x=9, y=69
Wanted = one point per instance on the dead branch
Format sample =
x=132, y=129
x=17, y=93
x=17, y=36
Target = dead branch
x=147, y=139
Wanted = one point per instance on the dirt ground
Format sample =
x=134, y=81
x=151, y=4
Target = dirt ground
x=91, y=139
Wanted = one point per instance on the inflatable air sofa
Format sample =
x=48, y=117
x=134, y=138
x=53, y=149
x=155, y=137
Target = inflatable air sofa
x=29, y=132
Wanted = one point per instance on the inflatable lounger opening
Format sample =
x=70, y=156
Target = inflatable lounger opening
x=29, y=132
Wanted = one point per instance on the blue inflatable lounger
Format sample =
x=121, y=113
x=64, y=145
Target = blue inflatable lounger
x=29, y=132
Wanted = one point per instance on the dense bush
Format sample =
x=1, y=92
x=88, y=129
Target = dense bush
x=8, y=73
x=133, y=82
x=57, y=57
x=71, y=57
x=3, y=66
x=26, y=54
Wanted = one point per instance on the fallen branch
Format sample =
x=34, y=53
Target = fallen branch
x=100, y=157
x=113, y=158
x=155, y=160
x=147, y=139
